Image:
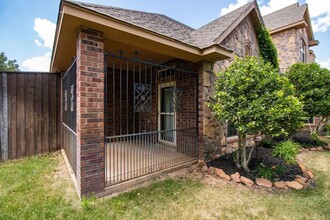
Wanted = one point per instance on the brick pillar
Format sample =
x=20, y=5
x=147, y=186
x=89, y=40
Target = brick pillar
x=90, y=112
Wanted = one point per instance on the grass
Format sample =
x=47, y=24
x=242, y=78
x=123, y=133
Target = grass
x=39, y=188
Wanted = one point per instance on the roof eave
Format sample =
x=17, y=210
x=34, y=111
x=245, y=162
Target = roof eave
x=299, y=24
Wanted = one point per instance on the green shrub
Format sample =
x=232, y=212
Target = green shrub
x=318, y=141
x=327, y=129
x=266, y=143
x=287, y=151
x=265, y=172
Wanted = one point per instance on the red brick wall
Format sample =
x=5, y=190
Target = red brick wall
x=90, y=112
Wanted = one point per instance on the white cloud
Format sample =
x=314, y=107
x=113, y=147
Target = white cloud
x=233, y=6
x=274, y=5
x=46, y=32
x=38, y=43
x=40, y=63
x=320, y=12
x=325, y=64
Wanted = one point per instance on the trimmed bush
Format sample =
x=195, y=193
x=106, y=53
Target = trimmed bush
x=287, y=151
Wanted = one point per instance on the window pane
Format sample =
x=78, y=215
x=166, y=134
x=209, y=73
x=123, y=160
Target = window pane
x=166, y=95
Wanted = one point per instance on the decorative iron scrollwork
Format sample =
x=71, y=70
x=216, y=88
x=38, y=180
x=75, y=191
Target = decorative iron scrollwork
x=177, y=99
x=142, y=97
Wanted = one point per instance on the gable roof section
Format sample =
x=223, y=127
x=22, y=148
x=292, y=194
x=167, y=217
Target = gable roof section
x=285, y=16
x=294, y=15
x=201, y=38
x=209, y=33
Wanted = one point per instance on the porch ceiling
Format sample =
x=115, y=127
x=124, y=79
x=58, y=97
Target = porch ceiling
x=122, y=36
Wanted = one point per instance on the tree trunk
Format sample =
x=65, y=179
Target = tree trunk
x=245, y=161
x=238, y=152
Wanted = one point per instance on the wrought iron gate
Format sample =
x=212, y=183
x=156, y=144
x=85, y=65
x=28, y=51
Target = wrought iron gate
x=151, y=116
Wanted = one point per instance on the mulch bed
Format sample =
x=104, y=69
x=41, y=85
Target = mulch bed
x=260, y=156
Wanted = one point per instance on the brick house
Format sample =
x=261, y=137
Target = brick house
x=135, y=87
x=293, y=36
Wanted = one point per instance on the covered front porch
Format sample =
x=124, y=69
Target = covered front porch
x=132, y=99
x=151, y=115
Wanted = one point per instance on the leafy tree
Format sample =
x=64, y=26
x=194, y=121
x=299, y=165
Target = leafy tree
x=312, y=84
x=7, y=65
x=266, y=46
x=253, y=96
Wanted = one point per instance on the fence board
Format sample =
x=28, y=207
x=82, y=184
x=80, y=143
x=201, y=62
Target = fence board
x=52, y=115
x=58, y=114
x=37, y=114
x=45, y=111
x=34, y=114
x=1, y=118
x=21, y=115
x=12, y=93
x=29, y=114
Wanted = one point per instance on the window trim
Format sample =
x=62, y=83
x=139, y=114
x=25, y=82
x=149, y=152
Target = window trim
x=302, y=51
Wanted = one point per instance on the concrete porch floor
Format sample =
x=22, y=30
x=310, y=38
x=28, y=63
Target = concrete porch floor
x=128, y=160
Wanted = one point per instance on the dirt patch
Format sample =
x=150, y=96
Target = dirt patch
x=261, y=157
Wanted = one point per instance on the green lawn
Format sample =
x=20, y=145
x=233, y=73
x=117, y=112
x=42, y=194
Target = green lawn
x=39, y=188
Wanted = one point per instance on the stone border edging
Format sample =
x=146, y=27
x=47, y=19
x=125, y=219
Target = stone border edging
x=300, y=182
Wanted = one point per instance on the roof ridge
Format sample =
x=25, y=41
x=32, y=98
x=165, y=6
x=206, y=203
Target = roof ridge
x=229, y=13
x=297, y=4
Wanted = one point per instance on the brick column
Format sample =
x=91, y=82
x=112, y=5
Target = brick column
x=90, y=112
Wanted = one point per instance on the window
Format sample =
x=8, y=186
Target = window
x=302, y=51
x=231, y=130
x=247, y=50
x=309, y=120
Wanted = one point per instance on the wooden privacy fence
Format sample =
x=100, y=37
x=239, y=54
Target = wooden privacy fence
x=30, y=114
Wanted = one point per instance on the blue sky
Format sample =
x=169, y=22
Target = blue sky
x=27, y=26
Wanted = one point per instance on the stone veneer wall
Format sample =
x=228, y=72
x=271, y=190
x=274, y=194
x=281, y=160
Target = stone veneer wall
x=287, y=45
x=214, y=141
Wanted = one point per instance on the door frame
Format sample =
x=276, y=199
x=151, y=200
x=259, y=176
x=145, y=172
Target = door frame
x=160, y=86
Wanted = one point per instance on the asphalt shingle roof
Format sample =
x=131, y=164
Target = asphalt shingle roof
x=161, y=24
x=285, y=16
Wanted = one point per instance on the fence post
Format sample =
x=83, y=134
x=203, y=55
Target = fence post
x=4, y=117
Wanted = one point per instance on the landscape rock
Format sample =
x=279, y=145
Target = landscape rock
x=264, y=182
x=220, y=173
x=294, y=185
x=301, y=165
x=313, y=149
x=204, y=169
x=247, y=181
x=210, y=170
x=236, y=177
x=319, y=148
x=281, y=185
x=327, y=147
x=301, y=180
x=310, y=174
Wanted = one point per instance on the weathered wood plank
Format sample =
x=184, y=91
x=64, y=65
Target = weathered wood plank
x=45, y=109
x=29, y=114
x=52, y=116
x=12, y=94
x=20, y=115
x=1, y=118
x=58, y=113
x=37, y=113
x=5, y=116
